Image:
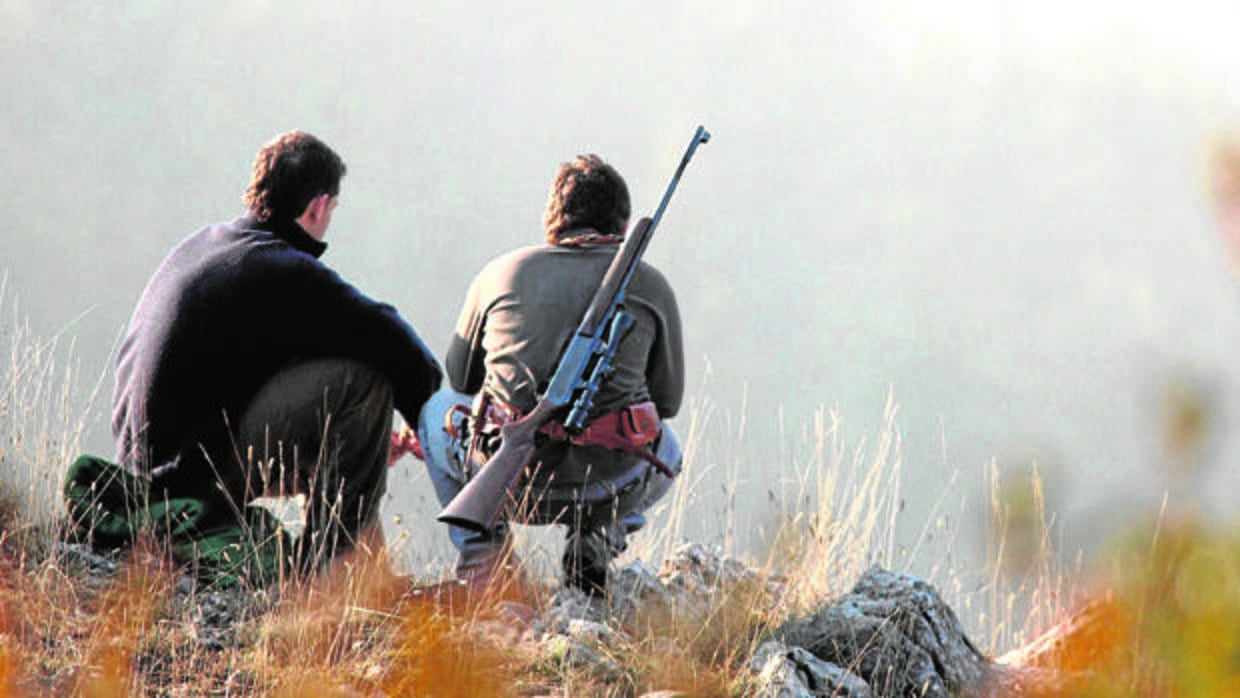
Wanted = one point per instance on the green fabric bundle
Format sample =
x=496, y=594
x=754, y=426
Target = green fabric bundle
x=111, y=508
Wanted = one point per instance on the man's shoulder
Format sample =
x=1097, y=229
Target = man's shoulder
x=225, y=233
x=652, y=280
x=521, y=255
x=241, y=225
x=258, y=246
x=206, y=247
x=552, y=261
x=510, y=263
x=237, y=251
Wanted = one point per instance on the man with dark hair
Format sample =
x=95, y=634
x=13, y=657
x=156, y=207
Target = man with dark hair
x=587, y=194
x=252, y=369
x=520, y=312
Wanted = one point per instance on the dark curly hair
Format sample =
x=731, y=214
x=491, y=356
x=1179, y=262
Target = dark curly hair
x=289, y=172
x=586, y=193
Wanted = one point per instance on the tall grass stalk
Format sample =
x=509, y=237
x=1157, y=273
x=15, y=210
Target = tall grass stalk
x=843, y=513
x=43, y=414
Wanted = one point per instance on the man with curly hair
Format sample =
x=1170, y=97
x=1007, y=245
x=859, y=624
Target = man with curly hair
x=252, y=369
x=519, y=314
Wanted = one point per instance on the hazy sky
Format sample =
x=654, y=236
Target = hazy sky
x=990, y=210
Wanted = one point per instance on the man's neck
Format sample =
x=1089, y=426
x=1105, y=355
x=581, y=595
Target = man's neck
x=307, y=226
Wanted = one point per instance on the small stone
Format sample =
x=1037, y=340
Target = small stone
x=829, y=679
x=590, y=632
x=572, y=604
x=778, y=677
x=638, y=582
x=515, y=613
x=185, y=586
x=574, y=654
x=792, y=671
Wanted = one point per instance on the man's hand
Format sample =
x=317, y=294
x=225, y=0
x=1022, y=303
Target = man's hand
x=405, y=440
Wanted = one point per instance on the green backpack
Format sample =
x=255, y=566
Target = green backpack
x=110, y=508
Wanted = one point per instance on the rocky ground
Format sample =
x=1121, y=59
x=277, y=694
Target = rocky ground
x=891, y=635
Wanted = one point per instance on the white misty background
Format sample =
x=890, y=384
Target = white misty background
x=995, y=213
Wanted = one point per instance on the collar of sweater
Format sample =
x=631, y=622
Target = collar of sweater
x=289, y=231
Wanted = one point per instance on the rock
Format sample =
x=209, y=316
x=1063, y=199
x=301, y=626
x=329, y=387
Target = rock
x=576, y=634
x=828, y=679
x=576, y=654
x=98, y=571
x=793, y=672
x=779, y=677
x=515, y=613
x=697, y=579
x=218, y=615
x=693, y=566
x=591, y=633
x=895, y=632
x=637, y=588
x=639, y=581
x=567, y=605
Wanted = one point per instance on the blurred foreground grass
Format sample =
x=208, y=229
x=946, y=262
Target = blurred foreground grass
x=1168, y=615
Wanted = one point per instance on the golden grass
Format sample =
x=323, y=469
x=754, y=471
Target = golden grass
x=356, y=631
x=1170, y=607
x=121, y=621
x=702, y=654
x=43, y=412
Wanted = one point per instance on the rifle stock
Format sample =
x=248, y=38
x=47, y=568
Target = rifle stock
x=585, y=363
x=478, y=505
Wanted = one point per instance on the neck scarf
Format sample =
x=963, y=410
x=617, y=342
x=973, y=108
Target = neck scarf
x=588, y=237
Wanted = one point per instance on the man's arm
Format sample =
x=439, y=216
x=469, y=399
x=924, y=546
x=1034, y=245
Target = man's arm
x=330, y=317
x=665, y=368
x=465, y=363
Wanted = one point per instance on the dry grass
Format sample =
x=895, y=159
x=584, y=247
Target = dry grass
x=358, y=630
x=355, y=632
x=42, y=410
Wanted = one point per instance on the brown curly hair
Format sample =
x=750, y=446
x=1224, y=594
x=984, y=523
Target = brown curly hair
x=586, y=193
x=289, y=171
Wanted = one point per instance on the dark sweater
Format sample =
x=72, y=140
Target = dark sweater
x=231, y=305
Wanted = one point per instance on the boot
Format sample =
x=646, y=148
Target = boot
x=488, y=558
x=586, y=558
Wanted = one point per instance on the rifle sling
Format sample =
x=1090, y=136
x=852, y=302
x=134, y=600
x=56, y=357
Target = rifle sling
x=631, y=429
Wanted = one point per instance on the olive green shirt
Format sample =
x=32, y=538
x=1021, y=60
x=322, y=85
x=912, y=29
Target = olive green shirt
x=523, y=308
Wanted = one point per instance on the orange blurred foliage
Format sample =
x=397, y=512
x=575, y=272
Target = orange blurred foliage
x=1167, y=624
x=8, y=668
x=435, y=657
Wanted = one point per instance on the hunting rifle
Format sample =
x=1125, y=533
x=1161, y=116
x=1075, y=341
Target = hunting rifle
x=583, y=367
